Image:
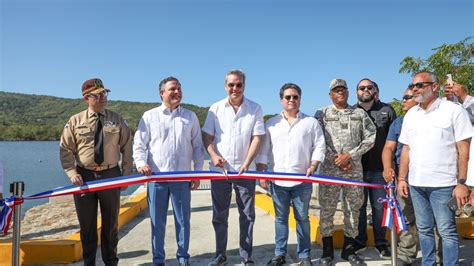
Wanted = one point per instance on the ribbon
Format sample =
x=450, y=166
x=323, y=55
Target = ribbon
x=173, y=176
x=392, y=213
x=6, y=206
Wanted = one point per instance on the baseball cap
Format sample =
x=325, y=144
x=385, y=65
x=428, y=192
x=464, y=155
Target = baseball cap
x=93, y=86
x=337, y=83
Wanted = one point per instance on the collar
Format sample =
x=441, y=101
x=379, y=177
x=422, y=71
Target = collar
x=162, y=108
x=244, y=103
x=91, y=113
x=434, y=106
x=298, y=115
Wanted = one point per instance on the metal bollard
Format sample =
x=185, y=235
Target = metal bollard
x=17, y=189
x=393, y=235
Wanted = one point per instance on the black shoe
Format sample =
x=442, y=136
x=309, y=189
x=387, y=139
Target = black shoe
x=220, y=260
x=305, y=262
x=248, y=262
x=184, y=264
x=348, y=252
x=355, y=260
x=359, y=248
x=277, y=261
x=384, y=252
x=328, y=252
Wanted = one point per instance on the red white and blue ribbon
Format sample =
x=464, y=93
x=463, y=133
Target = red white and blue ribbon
x=7, y=210
x=173, y=176
x=392, y=214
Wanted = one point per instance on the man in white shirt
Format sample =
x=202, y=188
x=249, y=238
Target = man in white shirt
x=232, y=134
x=436, y=136
x=168, y=138
x=296, y=143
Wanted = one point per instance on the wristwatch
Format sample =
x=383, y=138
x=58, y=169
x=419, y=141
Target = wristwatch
x=461, y=181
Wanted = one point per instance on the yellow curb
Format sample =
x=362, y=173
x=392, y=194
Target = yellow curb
x=69, y=249
x=465, y=226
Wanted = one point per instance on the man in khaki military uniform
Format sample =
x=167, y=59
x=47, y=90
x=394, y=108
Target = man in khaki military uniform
x=92, y=144
x=349, y=133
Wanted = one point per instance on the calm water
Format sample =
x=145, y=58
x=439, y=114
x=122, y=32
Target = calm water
x=36, y=163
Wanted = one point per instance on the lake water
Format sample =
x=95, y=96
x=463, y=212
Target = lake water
x=37, y=164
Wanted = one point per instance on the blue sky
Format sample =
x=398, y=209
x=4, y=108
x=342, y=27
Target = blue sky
x=50, y=47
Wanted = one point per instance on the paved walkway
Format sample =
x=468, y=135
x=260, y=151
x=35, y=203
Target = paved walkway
x=135, y=246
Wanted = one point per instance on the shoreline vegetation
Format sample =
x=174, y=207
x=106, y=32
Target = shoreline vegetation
x=40, y=117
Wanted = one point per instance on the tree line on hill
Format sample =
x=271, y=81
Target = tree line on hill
x=38, y=117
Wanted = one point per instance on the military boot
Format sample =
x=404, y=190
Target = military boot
x=328, y=251
x=348, y=252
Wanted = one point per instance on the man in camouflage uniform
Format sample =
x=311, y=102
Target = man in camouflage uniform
x=349, y=133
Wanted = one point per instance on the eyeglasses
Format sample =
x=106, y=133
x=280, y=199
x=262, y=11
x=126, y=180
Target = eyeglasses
x=407, y=97
x=288, y=97
x=99, y=95
x=419, y=85
x=339, y=90
x=238, y=85
x=369, y=87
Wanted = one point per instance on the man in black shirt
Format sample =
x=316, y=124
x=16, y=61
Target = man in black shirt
x=382, y=115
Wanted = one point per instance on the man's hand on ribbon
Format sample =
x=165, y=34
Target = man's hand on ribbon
x=388, y=174
x=77, y=180
x=218, y=161
x=145, y=170
x=243, y=169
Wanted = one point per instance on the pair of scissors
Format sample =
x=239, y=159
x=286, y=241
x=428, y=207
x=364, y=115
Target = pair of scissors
x=224, y=171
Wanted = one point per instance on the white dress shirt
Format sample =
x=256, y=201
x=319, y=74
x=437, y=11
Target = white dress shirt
x=168, y=140
x=432, y=136
x=292, y=147
x=233, y=131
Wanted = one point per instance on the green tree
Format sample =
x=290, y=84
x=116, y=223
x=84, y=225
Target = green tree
x=455, y=59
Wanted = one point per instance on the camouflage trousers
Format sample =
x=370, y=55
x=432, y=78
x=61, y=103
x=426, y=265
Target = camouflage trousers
x=352, y=199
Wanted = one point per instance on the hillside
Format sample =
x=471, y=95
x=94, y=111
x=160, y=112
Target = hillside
x=39, y=117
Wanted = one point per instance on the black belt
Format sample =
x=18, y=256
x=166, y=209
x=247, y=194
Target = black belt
x=98, y=168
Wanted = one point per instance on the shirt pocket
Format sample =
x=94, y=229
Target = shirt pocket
x=442, y=130
x=381, y=119
x=84, y=134
x=111, y=134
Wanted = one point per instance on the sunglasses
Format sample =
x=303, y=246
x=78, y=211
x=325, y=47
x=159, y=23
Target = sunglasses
x=289, y=97
x=407, y=97
x=419, y=85
x=99, y=95
x=369, y=87
x=238, y=85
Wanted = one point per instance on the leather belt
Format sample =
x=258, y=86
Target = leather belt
x=98, y=168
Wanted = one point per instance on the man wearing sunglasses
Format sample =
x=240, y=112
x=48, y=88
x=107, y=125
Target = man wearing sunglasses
x=382, y=115
x=436, y=136
x=349, y=133
x=295, y=142
x=407, y=244
x=92, y=144
x=232, y=133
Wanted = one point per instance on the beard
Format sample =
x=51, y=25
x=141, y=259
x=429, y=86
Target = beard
x=424, y=96
x=365, y=99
